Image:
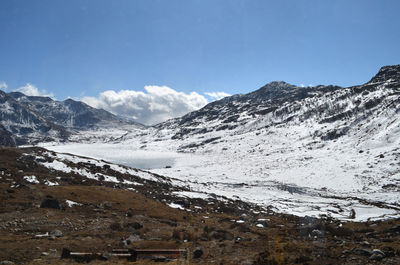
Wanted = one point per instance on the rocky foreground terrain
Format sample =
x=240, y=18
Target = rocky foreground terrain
x=50, y=202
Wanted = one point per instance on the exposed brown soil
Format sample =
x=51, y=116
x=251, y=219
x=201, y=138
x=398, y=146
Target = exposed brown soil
x=107, y=216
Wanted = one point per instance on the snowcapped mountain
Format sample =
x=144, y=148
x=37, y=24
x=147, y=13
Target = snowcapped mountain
x=31, y=119
x=279, y=103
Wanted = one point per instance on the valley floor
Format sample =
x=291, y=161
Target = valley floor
x=89, y=217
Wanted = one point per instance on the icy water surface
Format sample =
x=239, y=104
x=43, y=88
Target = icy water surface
x=119, y=154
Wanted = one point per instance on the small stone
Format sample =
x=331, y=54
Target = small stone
x=45, y=253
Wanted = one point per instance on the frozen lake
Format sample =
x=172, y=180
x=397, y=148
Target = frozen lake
x=120, y=154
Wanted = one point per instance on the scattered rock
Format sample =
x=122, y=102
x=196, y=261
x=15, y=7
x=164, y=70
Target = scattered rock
x=352, y=214
x=128, y=214
x=131, y=239
x=221, y=235
x=197, y=253
x=6, y=262
x=262, y=222
x=376, y=257
x=56, y=233
x=395, y=229
x=116, y=226
x=106, y=205
x=134, y=225
x=362, y=251
x=365, y=243
x=317, y=233
x=302, y=259
x=377, y=254
x=158, y=258
x=184, y=203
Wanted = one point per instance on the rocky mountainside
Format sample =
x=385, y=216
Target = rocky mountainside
x=29, y=119
x=283, y=103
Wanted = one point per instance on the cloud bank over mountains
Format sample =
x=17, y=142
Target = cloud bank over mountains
x=153, y=105
x=156, y=104
x=31, y=90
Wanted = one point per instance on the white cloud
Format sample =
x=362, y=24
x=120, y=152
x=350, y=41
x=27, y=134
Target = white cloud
x=217, y=95
x=156, y=104
x=3, y=86
x=31, y=90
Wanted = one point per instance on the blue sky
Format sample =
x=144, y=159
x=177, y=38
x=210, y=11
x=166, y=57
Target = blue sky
x=83, y=48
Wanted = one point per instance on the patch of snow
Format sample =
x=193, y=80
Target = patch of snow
x=176, y=206
x=32, y=179
x=50, y=183
x=192, y=194
x=72, y=203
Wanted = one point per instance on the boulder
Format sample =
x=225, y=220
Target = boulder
x=197, y=253
x=50, y=203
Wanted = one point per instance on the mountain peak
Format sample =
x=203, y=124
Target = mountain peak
x=272, y=89
x=386, y=73
x=277, y=85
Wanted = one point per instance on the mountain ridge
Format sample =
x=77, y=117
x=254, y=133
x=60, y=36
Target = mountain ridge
x=272, y=98
x=33, y=119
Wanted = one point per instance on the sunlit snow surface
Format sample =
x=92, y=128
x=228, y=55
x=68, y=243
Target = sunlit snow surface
x=275, y=168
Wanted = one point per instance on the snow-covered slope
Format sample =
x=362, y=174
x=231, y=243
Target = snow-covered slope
x=322, y=150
